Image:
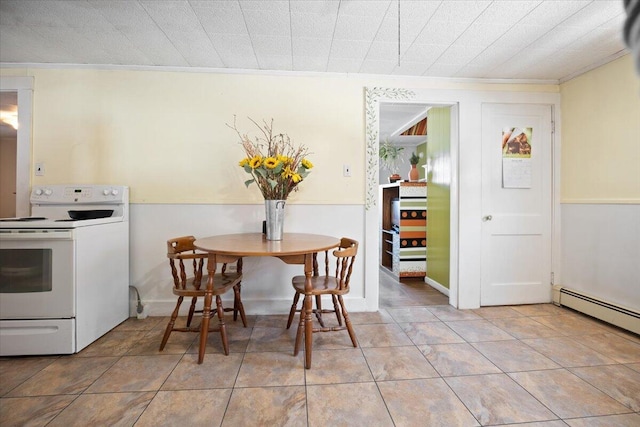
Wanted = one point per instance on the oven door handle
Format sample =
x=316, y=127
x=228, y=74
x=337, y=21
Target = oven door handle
x=37, y=235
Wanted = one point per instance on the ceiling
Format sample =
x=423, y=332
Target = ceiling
x=547, y=40
x=540, y=39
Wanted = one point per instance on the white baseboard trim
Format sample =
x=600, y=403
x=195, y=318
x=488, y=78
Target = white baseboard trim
x=437, y=286
x=607, y=311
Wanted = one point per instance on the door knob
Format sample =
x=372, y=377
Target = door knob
x=487, y=218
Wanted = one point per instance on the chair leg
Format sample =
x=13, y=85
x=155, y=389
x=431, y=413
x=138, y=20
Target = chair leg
x=192, y=310
x=172, y=321
x=204, y=328
x=300, y=332
x=319, y=310
x=238, y=306
x=308, y=330
x=236, y=303
x=347, y=322
x=336, y=309
x=293, y=310
x=223, y=328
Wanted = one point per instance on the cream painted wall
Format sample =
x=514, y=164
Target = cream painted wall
x=164, y=132
x=600, y=219
x=601, y=135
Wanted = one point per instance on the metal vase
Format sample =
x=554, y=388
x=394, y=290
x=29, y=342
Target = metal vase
x=274, y=210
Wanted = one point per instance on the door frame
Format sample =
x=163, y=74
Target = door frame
x=466, y=187
x=374, y=97
x=24, y=87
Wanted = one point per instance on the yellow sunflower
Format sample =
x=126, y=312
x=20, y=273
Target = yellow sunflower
x=271, y=162
x=255, y=162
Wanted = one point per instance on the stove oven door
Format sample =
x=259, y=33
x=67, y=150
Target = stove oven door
x=37, y=270
x=37, y=292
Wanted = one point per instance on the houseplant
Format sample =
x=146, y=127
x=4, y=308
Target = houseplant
x=389, y=158
x=414, y=174
x=276, y=166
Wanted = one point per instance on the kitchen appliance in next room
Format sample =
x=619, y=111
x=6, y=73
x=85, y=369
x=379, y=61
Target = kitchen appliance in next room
x=64, y=271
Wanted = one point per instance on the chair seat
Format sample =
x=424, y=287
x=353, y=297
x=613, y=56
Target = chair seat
x=321, y=285
x=221, y=284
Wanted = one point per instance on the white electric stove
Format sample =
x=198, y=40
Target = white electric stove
x=64, y=271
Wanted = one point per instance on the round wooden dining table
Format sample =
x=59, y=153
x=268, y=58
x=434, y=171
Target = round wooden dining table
x=294, y=248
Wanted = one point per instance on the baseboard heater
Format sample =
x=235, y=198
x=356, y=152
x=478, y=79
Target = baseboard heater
x=615, y=314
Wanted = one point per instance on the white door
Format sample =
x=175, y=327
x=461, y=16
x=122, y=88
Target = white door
x=516, y=204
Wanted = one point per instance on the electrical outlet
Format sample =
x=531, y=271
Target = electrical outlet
x=39, y=169
x=346, y=170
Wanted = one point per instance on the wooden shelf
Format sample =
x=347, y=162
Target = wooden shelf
x=387, y=250
x=410, y=239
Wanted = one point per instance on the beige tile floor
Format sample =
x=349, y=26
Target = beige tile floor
x=419, y=363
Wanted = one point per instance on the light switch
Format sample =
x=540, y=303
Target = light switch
x=39, y=169
x=346, y=170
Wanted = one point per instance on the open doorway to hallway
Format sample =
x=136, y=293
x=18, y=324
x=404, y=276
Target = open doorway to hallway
x=8, y=152
x=414, y=251
x=17, y=97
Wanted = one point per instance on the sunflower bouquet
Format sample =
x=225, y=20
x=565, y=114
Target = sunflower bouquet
x=274, y=163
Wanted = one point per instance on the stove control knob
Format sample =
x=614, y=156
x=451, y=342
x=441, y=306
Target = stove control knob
x=106, y=191
x=114, y=192
x=48, y=192
x=38, y=192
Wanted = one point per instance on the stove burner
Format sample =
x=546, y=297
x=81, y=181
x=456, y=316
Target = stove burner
x=25, y=219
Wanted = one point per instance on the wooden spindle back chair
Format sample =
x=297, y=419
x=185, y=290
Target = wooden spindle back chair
x=190, y=280
x=334, y=282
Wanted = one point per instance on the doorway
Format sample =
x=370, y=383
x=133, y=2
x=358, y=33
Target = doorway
x=8, y=152
x=22, y=89
x=375, y=98
x=423, y=130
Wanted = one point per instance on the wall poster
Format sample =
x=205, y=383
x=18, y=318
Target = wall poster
x=516, y=157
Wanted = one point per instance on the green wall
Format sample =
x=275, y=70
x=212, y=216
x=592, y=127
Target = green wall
x=438, y=194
